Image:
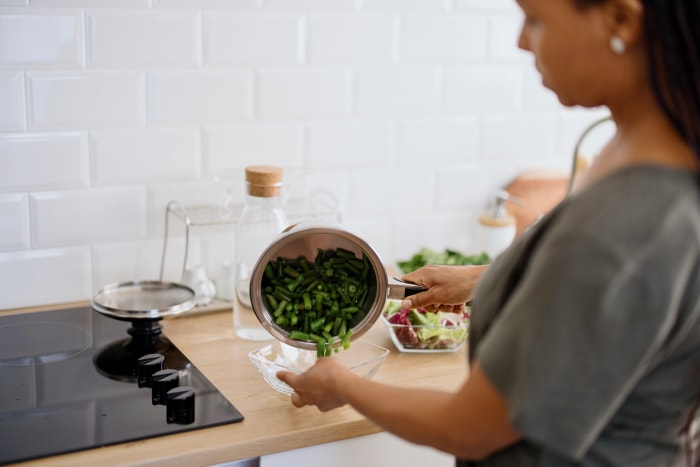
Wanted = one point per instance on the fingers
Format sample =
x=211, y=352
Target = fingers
x=296, y=400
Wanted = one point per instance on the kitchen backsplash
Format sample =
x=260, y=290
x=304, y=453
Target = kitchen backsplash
x=406, y=113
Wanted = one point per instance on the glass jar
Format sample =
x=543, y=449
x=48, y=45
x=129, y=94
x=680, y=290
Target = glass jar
x=262, y=219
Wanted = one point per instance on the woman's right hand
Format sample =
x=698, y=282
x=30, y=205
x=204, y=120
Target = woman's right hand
x=449, y=287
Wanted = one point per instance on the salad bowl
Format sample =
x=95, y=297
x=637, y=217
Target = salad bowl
x=421, y=331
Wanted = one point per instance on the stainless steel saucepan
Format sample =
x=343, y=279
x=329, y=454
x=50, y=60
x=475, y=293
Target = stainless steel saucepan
x=305, y=240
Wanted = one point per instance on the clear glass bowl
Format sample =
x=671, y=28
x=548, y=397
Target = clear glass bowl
x=427, y=339
x=363, y=358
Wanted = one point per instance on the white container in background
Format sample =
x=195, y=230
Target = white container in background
x=226, y=282
x=196, y=279
x=496, y=228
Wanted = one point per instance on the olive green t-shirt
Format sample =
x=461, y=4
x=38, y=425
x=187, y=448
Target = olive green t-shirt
x=589, y=325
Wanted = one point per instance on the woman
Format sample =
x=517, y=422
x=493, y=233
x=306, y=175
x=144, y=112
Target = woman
x=585, y=333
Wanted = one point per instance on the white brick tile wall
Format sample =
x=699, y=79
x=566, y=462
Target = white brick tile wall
x=79, y=216
x=144, y=155
x=491, y=5
x=443, y=38
x=322, y=5
x=442, y=141
x=93, y=3
x=252, y=38
x=529, y=136
x=41, y=38
x=85, y=99
x=336, y=145
x=308, y=93
x=503, y=38
x=406, y=5
x=192, y=97
x=398, y=91
x=536, y=96
x=45, y=276
x=378, y=191
x=230, y=148
x=350, y=38
x=14, y=228
x=161, y=39
x=483, y=88
x=43, y=161
x=12, y=112
x=406, y=113
x=221, y=4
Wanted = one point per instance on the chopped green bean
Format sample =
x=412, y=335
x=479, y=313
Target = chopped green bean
x=321, y=300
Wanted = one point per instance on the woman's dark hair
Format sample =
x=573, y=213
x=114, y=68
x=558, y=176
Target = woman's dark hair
x=672, y=40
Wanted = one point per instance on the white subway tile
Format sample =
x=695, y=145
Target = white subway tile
x=328, y=188
x=14, y=228
x=574, y=122
x=155, y=39
x=91, y=99
x=93, y=3
x=288, y=93
x=519, y=137
x=202, y=96
x=402, y=91
x=129, y=261
x=12, y=113
x=42, y=161
x=83, y=216
x=321, y=5
x=41, y=38
x=350, y=144
x=232, y=147
x=377, y=192
x=453, y=141
x=227, y=4
x=483, y=88
x=14, y=2
x=405, y=5
x=377, y=231
x=466, y=188
x=144, y=155
x=357, y=39
x=495, y=5
x=252, y=38
x=443, y=38
x=503, y=38
x=40, y=277
x=536, y=96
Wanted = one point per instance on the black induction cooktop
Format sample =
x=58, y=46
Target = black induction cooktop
x=75, y=379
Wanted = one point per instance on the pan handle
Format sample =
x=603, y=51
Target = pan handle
x=398, y=289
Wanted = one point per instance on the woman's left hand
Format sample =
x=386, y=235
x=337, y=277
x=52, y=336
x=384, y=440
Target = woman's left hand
x=318, y=385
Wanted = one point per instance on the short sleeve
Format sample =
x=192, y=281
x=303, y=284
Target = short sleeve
x=579, y=329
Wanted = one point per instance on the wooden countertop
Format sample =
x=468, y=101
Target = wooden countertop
x=271, y=423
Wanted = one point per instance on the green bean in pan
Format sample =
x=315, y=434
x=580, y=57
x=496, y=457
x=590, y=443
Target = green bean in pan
x=320, y=300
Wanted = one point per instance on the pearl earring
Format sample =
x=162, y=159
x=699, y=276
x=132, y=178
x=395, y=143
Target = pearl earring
x=617, y=45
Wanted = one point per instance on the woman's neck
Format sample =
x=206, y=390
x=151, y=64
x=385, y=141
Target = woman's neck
x=644, y=136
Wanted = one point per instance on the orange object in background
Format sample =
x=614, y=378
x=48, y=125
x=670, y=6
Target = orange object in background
x=540, y=191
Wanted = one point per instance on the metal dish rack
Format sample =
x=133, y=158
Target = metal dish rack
x=192, y=216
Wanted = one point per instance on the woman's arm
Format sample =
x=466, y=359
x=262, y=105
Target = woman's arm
x=470, y=423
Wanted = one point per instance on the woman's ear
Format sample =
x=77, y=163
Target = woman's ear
x=625, y=20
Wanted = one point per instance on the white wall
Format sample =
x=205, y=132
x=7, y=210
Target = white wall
x=410, y=112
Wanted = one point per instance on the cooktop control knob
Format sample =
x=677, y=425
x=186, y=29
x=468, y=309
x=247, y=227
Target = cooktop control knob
x=146, y=366
x=163, y=381
x=180, y=405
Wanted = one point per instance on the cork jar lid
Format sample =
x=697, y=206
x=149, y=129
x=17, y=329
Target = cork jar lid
x=263, y=180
